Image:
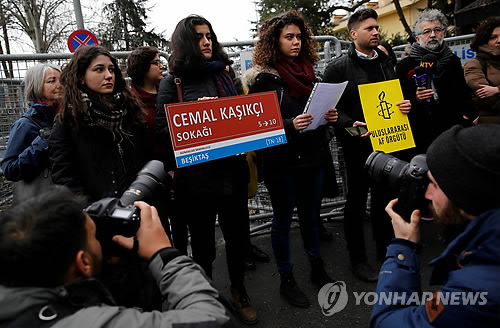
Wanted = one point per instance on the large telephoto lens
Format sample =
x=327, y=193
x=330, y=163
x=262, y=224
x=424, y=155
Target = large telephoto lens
x=384, y=168
x=148, y=179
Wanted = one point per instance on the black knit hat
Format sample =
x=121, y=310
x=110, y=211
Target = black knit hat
x=465, y=162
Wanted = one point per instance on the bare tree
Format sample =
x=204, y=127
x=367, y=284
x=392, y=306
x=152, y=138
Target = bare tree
x=4, y=21
x=402, y=17
x=46, y=22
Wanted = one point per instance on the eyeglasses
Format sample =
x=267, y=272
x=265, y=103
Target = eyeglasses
x=157, y=62
x=428, y=31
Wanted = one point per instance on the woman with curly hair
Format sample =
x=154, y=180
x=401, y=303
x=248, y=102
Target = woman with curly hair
x=294, y=172
x=483, y=72
x=217, y=189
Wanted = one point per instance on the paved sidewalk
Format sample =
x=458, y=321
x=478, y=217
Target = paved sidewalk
x=263, y=283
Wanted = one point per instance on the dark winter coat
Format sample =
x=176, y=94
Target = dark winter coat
x=354, y=69
x=221, y=176
x=92, y=162
x=303, y=149
x=430, y=119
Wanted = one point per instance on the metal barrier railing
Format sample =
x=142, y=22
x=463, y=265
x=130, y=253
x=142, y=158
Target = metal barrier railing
x=450, y=41
x=13, y=69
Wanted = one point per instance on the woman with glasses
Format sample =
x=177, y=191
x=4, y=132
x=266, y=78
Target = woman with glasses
x=145, y=69
x=483, y=72
x=216, y=189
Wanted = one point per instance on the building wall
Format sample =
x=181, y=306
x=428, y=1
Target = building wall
x=388, y=18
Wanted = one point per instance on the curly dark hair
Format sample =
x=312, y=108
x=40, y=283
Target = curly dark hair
x=186, y=54
x=484, y=31
x=267, y=50
x=139, y=62
x=74, y=108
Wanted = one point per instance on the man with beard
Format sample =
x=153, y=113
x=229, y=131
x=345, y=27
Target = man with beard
x=446, y=99
x=464, y=187
x=364, y=63
x=49, y=258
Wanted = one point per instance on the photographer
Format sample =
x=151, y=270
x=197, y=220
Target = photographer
x=464, y=188
x=49, y=257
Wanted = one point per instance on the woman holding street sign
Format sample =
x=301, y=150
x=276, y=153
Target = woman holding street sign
x=214, y=189
x=294, y=172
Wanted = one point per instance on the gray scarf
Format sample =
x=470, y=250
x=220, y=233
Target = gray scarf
x=444, y=56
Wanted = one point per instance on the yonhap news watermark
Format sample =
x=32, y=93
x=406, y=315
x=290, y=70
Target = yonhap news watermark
x=333, y=298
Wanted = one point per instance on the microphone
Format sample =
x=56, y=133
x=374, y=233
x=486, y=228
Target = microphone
x=427, y=69
x=429, y=63
x=421, y=78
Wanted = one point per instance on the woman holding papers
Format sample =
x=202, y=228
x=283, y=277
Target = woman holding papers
x=294, y=172
x=214, y=189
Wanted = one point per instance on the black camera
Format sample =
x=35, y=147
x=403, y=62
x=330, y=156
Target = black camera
x=118, y=216
x=409, y=178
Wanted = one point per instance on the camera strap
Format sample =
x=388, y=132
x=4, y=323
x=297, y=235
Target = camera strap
x=70, y=299
x=38, y=125
x=42, y=316
x=33, y=120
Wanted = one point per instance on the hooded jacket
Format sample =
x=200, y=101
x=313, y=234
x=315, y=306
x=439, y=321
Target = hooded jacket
x=27, y=153
x=190, y=300
x=469, y=270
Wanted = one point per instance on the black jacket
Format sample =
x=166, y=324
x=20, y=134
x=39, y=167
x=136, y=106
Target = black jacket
x=430, y=119
x=221, y=176
x=351, y=68
x=91, y=161
x=302, y=150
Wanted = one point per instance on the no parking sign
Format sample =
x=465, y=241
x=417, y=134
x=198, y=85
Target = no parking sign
x=81, y=38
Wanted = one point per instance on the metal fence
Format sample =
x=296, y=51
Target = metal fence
x=12, y=106
x=13, y=69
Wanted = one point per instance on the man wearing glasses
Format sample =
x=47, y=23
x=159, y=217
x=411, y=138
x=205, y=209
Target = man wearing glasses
x=444, y=99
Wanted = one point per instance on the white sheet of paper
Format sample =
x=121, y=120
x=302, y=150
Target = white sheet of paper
x=325, y=96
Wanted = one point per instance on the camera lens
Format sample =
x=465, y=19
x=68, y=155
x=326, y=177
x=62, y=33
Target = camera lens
x=150, y=177
x=384, y=168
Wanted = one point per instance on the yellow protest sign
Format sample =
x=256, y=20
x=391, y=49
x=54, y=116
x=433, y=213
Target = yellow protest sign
x=389, y=127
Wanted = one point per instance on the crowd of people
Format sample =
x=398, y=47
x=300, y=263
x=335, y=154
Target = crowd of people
x=88, y=133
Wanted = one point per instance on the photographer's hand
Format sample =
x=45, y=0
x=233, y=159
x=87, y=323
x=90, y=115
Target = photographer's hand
x=402, y=229
x=151, y=235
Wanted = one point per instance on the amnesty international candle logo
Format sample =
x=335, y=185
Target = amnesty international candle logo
x=385, y=107
x=390, y=129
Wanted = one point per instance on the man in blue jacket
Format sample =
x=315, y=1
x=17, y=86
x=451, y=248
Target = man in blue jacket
x=464, y=174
